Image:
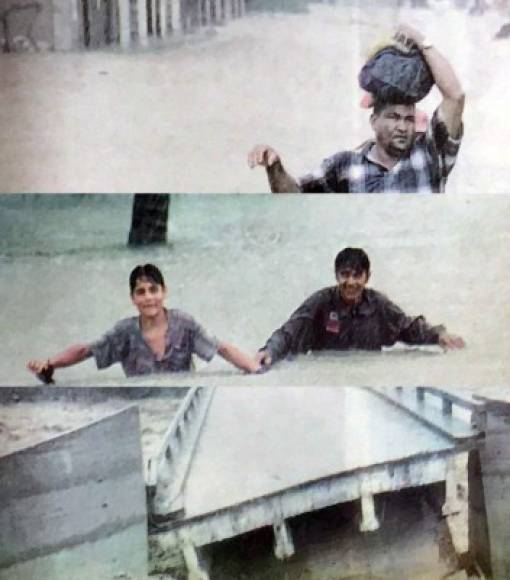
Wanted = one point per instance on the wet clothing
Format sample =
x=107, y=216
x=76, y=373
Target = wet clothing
x=125, y=344
x=323, y=322
x=424, y=169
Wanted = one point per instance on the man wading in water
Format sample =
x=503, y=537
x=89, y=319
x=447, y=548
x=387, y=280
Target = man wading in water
x=351, y=316
x=399, y=159
x=156, y=341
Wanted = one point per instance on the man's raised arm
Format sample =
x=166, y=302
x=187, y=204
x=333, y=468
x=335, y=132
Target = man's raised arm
x=452, y=106
x=279, y=180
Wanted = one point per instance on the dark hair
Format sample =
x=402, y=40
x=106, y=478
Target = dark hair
x=354, y=258
x=381, y=104
x=148, y=271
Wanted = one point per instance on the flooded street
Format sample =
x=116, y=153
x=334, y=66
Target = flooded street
x=278, y=482
x=241, y=265
x=182, y=117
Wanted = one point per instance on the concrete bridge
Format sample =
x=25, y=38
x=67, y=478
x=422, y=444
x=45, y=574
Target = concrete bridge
x=237, y=460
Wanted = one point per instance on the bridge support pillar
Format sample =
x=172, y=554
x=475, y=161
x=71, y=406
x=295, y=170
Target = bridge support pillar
x=283, y=544
x=369, y=521
x=456, y=506
x=196, y=563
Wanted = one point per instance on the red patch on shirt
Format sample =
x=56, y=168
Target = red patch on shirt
x=332, y=323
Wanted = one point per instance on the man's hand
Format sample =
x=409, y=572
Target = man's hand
x=451, y=341
x=263, y=358
x=38, y=366
x=263, y=155
x=43, y=369
x=279, y=180
x=254, y=366
x=404, y=31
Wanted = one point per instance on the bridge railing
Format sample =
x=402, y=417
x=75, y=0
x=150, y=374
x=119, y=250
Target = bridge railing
x=168, y=470
x=453, y=415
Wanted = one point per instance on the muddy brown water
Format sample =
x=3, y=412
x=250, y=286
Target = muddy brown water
x=182, y=117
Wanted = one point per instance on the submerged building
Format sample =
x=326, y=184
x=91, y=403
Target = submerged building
x=31, y=25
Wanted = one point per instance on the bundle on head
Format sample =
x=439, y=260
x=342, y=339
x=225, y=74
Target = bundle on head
x=397, y=75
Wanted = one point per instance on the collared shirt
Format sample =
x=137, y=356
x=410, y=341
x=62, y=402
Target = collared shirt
x=424, y=169
x=323, y=322
x=125, y=344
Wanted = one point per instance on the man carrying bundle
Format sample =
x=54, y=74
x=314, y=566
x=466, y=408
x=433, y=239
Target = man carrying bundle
x=399, y=159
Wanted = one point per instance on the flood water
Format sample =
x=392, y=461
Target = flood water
x=181, y=117
x=240, y=265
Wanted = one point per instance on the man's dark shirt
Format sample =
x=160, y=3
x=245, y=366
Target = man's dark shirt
x=424, y=169
x=323, y=322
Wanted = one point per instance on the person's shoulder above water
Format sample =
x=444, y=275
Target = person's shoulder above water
x=323, y=295
x=177, y=313
x=120, y=330
x=127, y=324
x=180, y=317
x=375, y=296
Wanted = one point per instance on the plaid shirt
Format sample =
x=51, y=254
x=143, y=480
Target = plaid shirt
x=424, y=169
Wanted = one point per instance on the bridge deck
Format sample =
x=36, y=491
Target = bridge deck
x=258, y=443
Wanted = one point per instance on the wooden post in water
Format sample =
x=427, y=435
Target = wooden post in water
x=124, y=23
x=198, y=566
x=143, y=23
x=149, y=219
